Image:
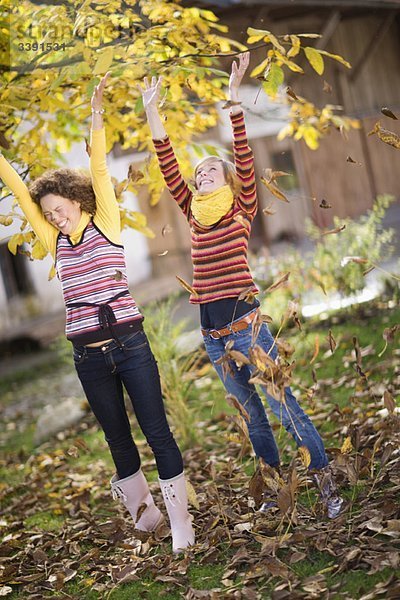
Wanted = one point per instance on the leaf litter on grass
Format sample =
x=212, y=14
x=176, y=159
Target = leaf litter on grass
x=92, y=546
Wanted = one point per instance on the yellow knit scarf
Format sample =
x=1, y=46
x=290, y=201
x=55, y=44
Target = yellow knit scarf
x=208, y=209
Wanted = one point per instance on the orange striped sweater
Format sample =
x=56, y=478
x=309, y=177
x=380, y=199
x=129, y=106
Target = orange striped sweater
x=219, y=252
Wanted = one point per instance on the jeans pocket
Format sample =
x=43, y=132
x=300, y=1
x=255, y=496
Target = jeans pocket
x=136, y=341
x=80, y=355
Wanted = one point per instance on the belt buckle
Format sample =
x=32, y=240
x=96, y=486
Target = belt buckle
x=214, y=334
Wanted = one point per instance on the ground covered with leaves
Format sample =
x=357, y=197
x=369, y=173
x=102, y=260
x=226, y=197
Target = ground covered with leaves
x=64, y=537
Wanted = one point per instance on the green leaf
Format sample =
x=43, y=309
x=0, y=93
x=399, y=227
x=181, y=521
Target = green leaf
x=274, y=79
x=315, y=59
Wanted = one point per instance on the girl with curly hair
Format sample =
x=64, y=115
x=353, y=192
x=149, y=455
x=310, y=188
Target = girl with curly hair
x=77, y=220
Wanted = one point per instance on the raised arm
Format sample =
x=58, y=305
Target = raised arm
x=243, y=154
x=46, y=233
x=169, y=167
x=107, y=215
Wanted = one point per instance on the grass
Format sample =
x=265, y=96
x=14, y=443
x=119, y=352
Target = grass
x=83, y=452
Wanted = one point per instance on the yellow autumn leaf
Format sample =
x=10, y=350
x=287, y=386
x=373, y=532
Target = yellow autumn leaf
x=38, y=250
x=347, y=446
x=305, y=456
x=104, y=61
x=315, y=59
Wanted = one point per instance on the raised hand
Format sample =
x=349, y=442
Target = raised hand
x=150, y=92
x=237, y=72
x=97, y=96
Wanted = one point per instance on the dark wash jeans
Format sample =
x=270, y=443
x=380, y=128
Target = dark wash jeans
x=103, y=372
x=289, y=413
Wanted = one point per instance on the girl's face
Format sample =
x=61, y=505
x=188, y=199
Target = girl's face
x=62, y=213
x=210, y=177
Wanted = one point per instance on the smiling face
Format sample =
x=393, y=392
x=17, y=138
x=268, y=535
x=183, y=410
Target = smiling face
x=210, y=176
x=62, y=213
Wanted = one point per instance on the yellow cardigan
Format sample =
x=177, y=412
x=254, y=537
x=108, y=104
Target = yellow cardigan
x=107, y=217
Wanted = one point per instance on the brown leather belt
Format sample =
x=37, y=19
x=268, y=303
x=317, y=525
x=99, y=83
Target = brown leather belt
x=232, y=328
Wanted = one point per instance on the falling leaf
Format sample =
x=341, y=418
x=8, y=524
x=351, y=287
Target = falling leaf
x=230, y=103
x=234, y=402
x=186, y=286
x=390, y=138
x=268, y=210
x=291, y=93
x=336, y=230
x=279, y=282
x=331, y=340
x=327, y=87
x=355, y=259
x=316, y=349
x=305, y=456
x=239, y=218
x=88, y=148
x=274, y=190
x=388, y=113
x=134, y=175
x=118, y=275
x=324, y=204
x=351, y=160
x=247, y=295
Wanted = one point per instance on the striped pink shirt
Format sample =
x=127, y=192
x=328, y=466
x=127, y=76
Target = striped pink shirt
x=93, y=274
x=219, y=252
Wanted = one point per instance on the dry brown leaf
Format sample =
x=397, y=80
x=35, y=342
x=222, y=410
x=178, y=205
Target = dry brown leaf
x=268, y=210
x=336, y=230
x=234, y=402
x=305, y=456
x=327, y=88
x=331, y=341
x=316, y=349
x=186, y=286
x=388, y=113
x=229, y=104
x=279, y=282
x=134, y=175
x=274, y=190
x=324, y=204
x=291, y=93
x=88, y=148
x=390, y=138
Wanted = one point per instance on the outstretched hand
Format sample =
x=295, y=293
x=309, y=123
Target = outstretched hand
x=150, y=92
x=97, y=96
x=237, y=73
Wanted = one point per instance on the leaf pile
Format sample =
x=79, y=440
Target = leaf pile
x=98, y=546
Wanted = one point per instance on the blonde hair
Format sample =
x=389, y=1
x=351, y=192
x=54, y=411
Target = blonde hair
x=229, y=170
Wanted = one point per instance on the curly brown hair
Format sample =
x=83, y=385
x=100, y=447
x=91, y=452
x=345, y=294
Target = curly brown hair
x=68, y=183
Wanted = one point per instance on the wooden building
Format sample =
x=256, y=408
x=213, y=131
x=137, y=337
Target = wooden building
x=367, y=34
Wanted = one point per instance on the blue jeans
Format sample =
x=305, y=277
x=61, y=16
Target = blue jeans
x=290, y=414
x=103, y=371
